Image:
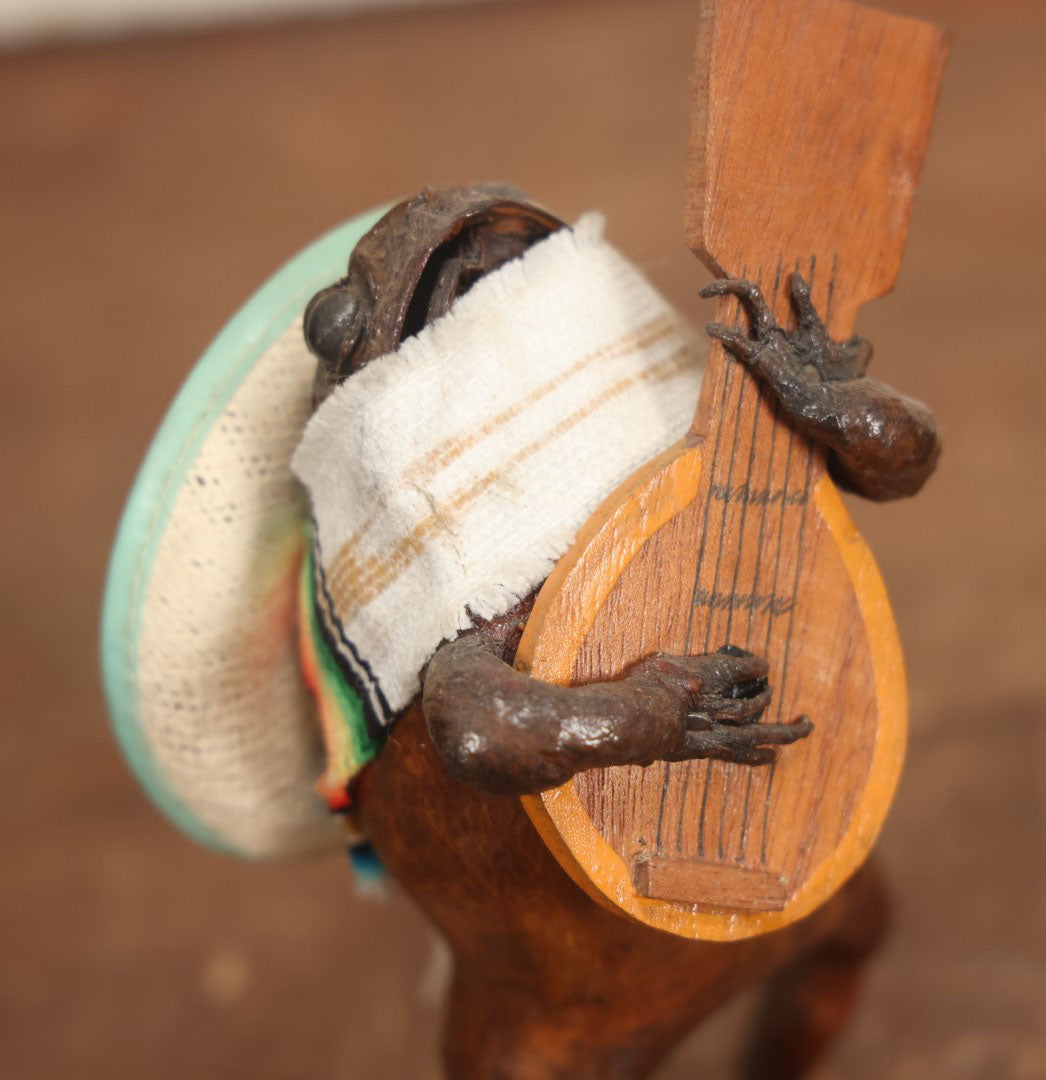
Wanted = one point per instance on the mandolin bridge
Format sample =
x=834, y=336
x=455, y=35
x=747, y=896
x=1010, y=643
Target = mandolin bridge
x=715, y=885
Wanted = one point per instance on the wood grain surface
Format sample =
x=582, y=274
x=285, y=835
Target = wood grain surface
x=809, y=124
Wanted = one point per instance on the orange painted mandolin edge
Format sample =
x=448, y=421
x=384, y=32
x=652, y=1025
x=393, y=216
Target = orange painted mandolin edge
x=571, y=599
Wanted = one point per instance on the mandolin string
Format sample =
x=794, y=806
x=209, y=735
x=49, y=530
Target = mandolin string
x=831, y=290
x=811, y=457
x=743, y=840
x=744, y=493
x=788, y=637
x=690, y=619
x=810, y=454
x=689, y=766
x=728, y=485
x=776, y=574
x=729, y=366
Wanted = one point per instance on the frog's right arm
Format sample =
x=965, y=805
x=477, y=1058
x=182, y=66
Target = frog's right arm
x=500, y=730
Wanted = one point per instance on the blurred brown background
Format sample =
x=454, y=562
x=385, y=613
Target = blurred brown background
x=147, y=186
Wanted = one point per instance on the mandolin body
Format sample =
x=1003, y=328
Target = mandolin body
x=710, y=849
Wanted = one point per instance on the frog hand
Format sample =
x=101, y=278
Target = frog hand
x=883, y=444
x=722, y=697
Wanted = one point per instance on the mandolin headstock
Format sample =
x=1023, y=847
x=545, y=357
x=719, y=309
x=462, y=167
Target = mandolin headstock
x=809, y=123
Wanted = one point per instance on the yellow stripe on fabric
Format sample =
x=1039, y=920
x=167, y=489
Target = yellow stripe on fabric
x=355, y=583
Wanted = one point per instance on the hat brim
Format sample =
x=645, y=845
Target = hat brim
x=177, y=635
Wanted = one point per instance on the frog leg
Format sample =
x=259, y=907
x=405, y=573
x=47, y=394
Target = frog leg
x=808, y=1001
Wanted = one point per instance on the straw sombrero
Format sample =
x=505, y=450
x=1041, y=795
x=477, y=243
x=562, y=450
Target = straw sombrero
x=199, y=640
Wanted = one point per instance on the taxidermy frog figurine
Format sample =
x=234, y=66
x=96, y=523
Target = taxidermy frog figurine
x=485, y=381
x=547, y=983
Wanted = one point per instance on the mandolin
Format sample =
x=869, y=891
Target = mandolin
x=809, y=123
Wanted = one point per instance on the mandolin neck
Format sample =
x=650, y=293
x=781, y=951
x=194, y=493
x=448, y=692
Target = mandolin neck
x=737, y=419
x=809, y=121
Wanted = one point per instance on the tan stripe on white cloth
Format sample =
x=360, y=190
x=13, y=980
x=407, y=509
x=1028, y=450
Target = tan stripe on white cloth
x=448, y=477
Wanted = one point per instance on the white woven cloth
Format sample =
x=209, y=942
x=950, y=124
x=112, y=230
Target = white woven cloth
x=448, y=477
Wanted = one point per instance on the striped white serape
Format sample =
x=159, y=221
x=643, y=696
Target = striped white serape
x=448, y=477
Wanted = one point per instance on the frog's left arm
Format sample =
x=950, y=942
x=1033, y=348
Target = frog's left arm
x=882, y=444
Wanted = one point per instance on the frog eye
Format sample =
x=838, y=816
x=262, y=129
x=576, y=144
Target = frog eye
x=333, y=325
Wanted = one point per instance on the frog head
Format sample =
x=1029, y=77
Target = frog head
x=408, y=270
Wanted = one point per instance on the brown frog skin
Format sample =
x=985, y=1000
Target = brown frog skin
x=408, y=271
x=548, y=984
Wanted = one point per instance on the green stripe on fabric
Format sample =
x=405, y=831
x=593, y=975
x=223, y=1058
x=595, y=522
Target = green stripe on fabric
x=335, y=682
